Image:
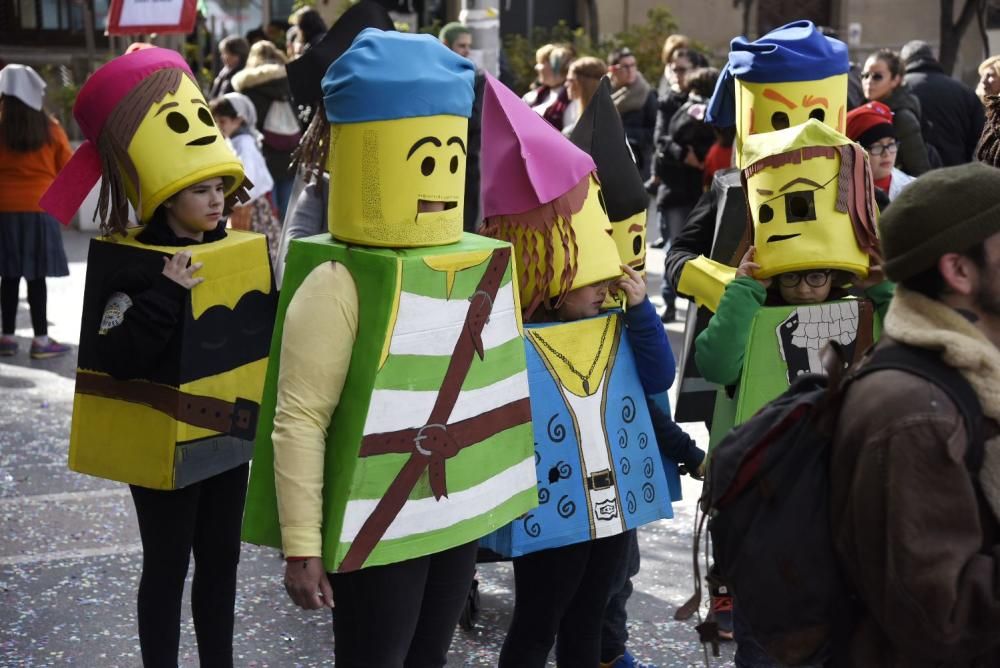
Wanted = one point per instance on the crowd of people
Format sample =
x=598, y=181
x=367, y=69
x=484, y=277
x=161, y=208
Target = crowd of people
x=465, y=363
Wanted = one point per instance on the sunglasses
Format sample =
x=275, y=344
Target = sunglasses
x=874, y=76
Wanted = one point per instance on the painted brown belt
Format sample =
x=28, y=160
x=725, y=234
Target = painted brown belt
x=238, y=419
x=433, y=443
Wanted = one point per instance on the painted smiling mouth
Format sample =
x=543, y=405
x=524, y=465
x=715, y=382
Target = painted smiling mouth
x=202, y=141
x=781, y=237
x=431, y=206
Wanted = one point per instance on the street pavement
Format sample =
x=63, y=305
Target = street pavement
x=70, y=555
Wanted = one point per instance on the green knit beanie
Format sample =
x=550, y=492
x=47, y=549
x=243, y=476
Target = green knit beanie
x=947, y=210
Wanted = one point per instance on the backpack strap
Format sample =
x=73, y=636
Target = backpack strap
x=927, y=364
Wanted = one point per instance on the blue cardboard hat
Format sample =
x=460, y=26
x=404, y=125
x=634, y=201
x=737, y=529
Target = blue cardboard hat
x=796, y=51
x=391, y=75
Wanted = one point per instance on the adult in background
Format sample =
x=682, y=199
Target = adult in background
x=548, y=96
x=635, y=101
x=457, y=37
x=310, y=29
x=584, y=77
x=915, y=521
x=882, y=80
x=33, y=148
x=233, y=51
x=952, y=115
x=265, y=81
x=989, y=78
x=668, y=81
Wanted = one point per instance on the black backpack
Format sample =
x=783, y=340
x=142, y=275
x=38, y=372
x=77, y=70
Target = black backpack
x=767, y=498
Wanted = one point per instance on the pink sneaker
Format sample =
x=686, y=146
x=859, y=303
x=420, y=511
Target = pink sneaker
x=8, y=348
x=51, y=349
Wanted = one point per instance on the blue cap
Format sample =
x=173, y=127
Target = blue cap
x=390, y=75
x=794, y=52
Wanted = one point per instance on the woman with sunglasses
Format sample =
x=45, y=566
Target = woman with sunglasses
x=870, y=125
x=882, y=81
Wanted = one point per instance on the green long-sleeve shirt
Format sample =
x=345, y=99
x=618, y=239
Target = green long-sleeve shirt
x=719, y=348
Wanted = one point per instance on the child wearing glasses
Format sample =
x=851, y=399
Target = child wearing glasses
x=720, y=348
x=870, y=125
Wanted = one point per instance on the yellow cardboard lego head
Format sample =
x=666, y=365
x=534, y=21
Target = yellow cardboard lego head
x=398, y=107
x=786, y=77
x=149, y=135
x=811, y=200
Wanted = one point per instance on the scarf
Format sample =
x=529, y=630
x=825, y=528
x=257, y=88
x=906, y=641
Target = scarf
x=631, y=98
x=926, y=323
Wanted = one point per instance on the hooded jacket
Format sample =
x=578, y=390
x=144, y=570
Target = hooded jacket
x=912, y=157
x=264, y=85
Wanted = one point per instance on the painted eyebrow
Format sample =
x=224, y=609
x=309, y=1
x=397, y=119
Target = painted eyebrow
x=801, y=179
x=457, y=140
x=810, y=101
x=421, y=142
x=635, y=228
x=201, y=102
x=772, y=94
x=168, y=105
x=764, y=191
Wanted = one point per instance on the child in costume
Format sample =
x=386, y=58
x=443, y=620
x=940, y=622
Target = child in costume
x=871, y=126
x=397, y=386
x=173, y=340
x=596, y=478
x=236, y=117
x=600, y=133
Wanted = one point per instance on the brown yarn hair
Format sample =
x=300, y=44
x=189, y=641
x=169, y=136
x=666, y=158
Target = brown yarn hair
x=855, y=187
x=534, y=234
x=988, y=148
x=113, y=143
x=314, y=148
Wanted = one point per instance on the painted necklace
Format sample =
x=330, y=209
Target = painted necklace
x=584, y=378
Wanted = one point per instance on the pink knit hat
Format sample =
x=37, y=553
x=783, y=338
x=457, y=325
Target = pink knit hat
x=525, y=161
x=98, y=98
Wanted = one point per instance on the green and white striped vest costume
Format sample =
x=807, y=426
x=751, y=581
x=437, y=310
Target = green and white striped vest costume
x=411, y=468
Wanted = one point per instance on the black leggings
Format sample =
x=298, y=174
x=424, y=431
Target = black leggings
x=560, y=594
x=205, y=518
x=402, y=614
x=37, y=299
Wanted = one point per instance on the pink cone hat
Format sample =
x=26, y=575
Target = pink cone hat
x=525, y=161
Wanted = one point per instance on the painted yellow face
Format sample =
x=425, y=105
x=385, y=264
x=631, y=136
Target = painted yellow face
x=630, y=238
x=796, y=223
x=398, y=183
x=177, y=145
x=776, y=106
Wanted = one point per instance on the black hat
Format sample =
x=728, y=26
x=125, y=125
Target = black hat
x=305, y=73
x=600, y=132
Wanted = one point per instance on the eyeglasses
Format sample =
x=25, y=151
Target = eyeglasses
x=874, y=76
x=815, y=279
x=879, y=149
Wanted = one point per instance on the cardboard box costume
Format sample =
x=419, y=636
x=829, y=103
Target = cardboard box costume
x=783, y=79
x=811, y=199
x=150, y=135
x=597, y=474
x=429, y=446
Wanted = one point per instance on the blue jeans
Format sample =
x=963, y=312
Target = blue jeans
x=282, y=193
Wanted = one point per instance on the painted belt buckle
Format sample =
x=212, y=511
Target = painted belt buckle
x=601, y=480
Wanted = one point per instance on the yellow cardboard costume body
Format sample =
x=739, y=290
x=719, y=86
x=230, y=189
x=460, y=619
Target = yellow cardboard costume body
x=398, y=389
x=168, y=379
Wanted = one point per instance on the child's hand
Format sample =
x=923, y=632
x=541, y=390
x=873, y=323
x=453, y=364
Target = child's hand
x=748, y=268
x=632, y=285
x=177, y=270
x=875, y=273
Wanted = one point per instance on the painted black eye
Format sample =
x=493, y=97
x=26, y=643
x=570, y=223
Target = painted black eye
x=427, y=166
x=600, y=198
x=818, y=114
x=766, y=214
x=205, y=116
x=800, y=207
x=637, y=244
x=779, y=120
x=454, y=164
x=177, y=122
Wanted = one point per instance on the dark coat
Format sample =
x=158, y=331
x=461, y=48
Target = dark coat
x=639, y=126
x=912, y=157
x=916, y=540
x=953, y=116
x=686, y=131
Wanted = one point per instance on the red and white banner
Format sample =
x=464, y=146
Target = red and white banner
x=130, y=17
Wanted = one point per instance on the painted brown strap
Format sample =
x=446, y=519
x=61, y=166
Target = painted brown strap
x=435, y=442
x=238, y=419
